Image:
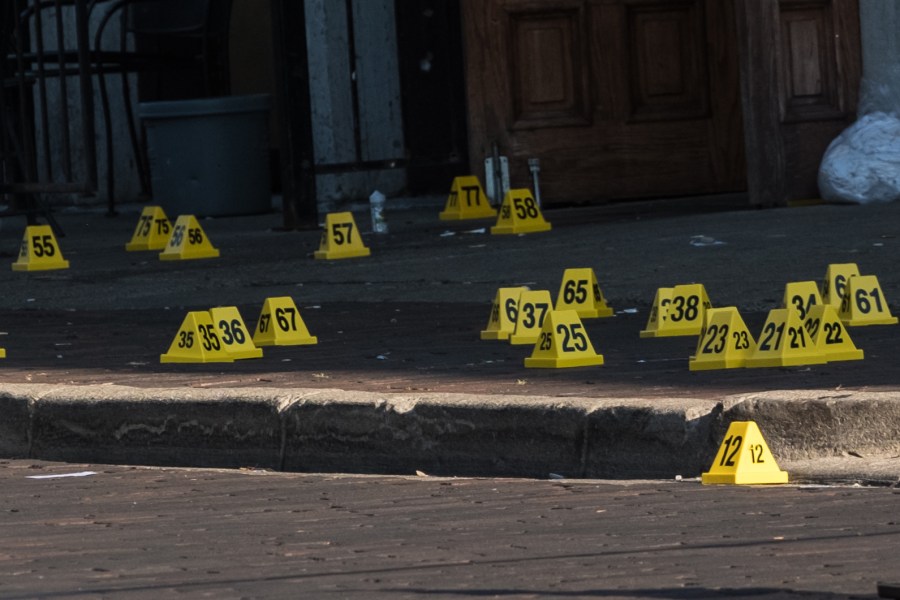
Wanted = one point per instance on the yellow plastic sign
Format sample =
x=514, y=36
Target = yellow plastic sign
x=2, y=353
x=658, y=310
x=785, y=342
x=152, y=231
x=39, y=251
x=467, y=200
x=724, y=343
x=677, y=311
x=744, y=459
x=341, y=238
x=836, y=278
x=563, y=343
x=864, y=303
x=802, y=295
x=233, y=333
x=280, y=324
x=534, y=305
x=502, y=321
x=829, y=334
x=197, y=341
x=519, y=213
x=188, y=241
x=580, y=292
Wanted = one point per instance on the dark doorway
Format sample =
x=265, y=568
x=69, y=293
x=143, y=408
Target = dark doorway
x=433, y=92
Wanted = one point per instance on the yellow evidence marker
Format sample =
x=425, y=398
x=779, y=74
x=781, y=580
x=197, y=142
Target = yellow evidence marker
x=563, y=343
x=340, y=238
x=502, y=321
x=829, y=335
x=580, y=292
x=784, y=342
x=802, y=295
x=677, y=311
x=658, y=310
x=188, y=241
x=197, y=341
x=233, y=333
x=519, y=213
x=534, y=305
x=744, y=459
x=152, y=230
x=836, y=277
x=39, y=251
x=467, y=200
x=280, y=324
x=864, y=303
x=724, y=343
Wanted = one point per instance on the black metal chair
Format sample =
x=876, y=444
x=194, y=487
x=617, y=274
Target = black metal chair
x=33, y=57
x=201, y=24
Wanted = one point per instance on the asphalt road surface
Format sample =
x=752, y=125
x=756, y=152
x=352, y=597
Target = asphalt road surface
x=123, y=532
x=407, y=347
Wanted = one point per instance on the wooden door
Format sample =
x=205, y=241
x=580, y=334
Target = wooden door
x=800, y=71
x=617, y=98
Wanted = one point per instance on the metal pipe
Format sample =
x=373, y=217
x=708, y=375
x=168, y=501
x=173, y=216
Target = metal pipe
x=534, y=166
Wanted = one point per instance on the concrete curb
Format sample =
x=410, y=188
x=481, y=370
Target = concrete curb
x=440, y=434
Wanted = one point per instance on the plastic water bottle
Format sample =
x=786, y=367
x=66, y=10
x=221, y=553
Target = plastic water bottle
x=376, y=206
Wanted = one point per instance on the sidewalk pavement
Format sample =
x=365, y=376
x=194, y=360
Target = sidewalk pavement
x=400, y=381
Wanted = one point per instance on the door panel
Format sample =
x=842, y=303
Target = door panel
x=800, y=70
x=617, y=98
x=549, y=82
x=667, y=62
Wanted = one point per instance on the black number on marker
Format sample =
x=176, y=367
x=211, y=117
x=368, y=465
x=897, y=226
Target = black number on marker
x=143, y=228
x=177, y=236
x=812, y=327
x=281, y=316
x=472, y=191
x=210, y=339
x=798, y=337
x=756, y=453
x=232, y=332
x=715, y=331
x=833, y=333
x=512, y=309
x=43, y=245
x=728, y=459
x=546, y=341
x=803, y=307
x=574, y=339
x=340, y=237
x=862, y=301
x=839, y=282
x=741, y=340
x=525, y=208
x=185, y=339
x=575, y=292
x=687, y=309
x=769, y=331
x=530, y=309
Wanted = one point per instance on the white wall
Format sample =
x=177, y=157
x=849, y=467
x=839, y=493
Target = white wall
x=127, y=186
x=378, y=84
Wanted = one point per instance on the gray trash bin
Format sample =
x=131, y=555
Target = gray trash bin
x=209, y=157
